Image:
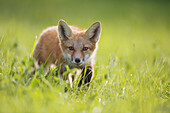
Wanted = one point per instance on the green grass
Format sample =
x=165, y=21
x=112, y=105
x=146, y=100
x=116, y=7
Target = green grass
x=132, y=71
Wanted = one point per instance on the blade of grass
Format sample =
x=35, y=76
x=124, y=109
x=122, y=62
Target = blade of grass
x=46, y=82
x=33, y=46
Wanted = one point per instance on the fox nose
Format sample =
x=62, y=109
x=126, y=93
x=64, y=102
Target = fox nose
x=77, y=60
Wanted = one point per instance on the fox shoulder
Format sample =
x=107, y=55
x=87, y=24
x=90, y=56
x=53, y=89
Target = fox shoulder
x=47, y=46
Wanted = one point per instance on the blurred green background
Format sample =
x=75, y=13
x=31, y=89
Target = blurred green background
x=128, y=27
x=135, y=40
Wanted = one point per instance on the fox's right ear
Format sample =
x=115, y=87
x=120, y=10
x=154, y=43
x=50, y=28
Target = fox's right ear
x=64, y=31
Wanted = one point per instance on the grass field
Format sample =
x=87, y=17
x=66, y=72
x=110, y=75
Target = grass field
x=132, y=71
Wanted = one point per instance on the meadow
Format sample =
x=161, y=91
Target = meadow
x=132, y=70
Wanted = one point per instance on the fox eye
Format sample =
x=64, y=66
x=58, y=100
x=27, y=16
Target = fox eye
x=71, y=48
x=85, y=48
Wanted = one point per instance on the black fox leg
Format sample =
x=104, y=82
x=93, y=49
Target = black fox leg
x=86, y=77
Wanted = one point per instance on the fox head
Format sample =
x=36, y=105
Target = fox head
x=78, y=45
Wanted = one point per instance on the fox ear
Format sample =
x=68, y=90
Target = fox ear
x=64, y=31
x=93, y=33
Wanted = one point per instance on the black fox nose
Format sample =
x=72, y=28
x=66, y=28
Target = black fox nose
x=77, y=60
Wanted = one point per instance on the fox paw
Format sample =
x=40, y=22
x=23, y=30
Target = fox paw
x=86, y=77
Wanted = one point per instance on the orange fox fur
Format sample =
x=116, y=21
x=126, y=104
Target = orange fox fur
x=68, y=45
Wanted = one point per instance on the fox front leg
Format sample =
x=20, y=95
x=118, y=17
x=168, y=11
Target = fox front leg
x=72, y=77
x=86, y=76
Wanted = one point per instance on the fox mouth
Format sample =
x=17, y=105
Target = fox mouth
x=78, y=64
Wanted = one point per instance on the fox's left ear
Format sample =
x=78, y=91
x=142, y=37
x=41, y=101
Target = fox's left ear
x=94, y=31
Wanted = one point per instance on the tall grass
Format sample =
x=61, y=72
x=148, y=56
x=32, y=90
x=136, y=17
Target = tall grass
x=132, y=71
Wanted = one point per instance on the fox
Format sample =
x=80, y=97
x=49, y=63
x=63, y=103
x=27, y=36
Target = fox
x=69, y=45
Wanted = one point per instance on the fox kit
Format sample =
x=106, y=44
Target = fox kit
x=69, y=45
